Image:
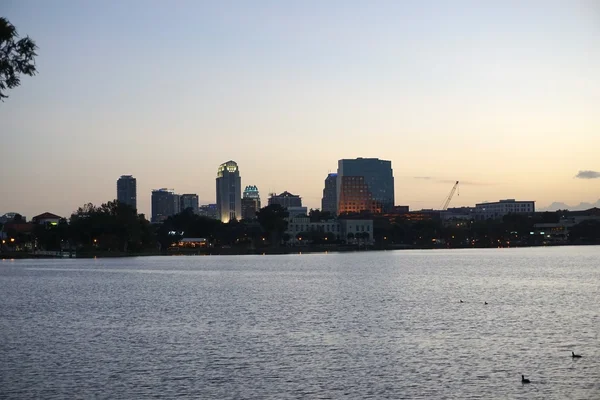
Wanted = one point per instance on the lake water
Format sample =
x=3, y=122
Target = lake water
x=318, y=326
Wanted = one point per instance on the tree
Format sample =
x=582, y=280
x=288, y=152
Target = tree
x=587, y=231
x=111, y=226
x=272, y=219
x=317, y=215
x=16, y=57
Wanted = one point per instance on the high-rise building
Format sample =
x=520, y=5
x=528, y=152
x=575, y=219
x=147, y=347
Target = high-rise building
x=365, y=184
x=164, y=204
x=285, y=199
x=208, y=210
x=291, y=202
x=250, y=202
x=229, y=192
x=329, y=200
x=188, y=200
x=127, y=190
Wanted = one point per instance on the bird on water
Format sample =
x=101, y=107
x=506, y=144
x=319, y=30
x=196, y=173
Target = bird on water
x=485, y=303
x=523, y=380
x=575, y=355
x=462, y=301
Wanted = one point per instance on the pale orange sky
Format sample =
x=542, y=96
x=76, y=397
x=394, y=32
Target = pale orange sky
x=503, y=96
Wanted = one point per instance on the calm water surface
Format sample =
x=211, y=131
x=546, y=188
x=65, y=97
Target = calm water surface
x=364, y=325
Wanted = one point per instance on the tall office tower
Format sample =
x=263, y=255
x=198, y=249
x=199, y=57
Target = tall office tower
x=329, y=200
x=164, y=204
x=188, y=200
x=127, y=190
x=229, y=192
x=250, y=202
x=365, y=184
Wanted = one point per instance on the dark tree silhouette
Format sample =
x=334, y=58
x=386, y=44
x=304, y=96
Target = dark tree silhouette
x=587, y=231
x=272, y=219
x=317, y=215
x=16, y=57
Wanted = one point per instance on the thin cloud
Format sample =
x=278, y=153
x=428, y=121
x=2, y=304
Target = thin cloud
x=450, y=181
x=464, y=183
x=588, y=175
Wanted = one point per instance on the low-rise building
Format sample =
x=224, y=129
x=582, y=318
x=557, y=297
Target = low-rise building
x=297, y=211
x=348, y=230
x=559, y=231
x=46, y=218
x=498, y=209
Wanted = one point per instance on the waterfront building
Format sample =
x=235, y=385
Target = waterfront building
x=329, y=200
x=348, y=230
x=46, y=218
x=229, y=192
x=188, y=200
x=498, y=209
x=250, y=202
x=127, y=190
x=164, y=204
x=365, y=184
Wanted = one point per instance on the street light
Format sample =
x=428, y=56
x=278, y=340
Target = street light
x=12, y=239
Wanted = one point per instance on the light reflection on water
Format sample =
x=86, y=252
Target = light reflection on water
x=360, y=325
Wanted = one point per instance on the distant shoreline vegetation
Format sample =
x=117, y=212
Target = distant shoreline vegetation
x=115, y=229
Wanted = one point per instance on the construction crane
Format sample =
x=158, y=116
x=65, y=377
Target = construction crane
x=449, y=198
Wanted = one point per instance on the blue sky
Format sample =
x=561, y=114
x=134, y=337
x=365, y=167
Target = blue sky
x=501, y=95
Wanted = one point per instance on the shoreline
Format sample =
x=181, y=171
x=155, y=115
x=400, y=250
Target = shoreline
x=265, y=251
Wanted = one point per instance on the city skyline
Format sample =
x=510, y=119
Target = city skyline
x=501, y=96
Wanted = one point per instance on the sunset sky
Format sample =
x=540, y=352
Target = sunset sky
x=501, y=95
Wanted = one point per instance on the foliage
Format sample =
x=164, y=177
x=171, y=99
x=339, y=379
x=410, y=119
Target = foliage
x=111, y=226
x=587, y=231
x=16, y=57
x=53, y=237
x=317, y=215
x=272, y=219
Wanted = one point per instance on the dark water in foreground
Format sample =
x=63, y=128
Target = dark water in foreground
x=365, y=325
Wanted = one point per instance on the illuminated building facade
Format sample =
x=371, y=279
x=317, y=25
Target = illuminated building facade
x=164, y=204
x=127, y=190
x=365, y=184
x=229, y=192
x=329, y=200
x=250, y=202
